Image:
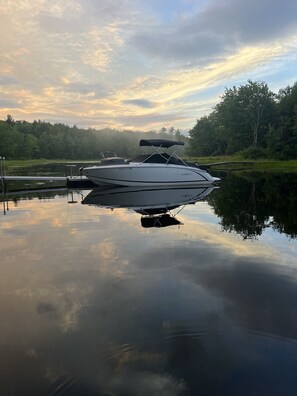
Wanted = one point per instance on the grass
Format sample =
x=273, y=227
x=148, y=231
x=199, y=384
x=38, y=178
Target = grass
x=235, y=162
x=24, y=163
x=209, y=160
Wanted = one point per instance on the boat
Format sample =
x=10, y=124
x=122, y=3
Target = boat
x=152, y=169
x=155, y=205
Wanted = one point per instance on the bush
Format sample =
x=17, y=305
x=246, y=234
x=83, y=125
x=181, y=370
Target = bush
x=254, y=153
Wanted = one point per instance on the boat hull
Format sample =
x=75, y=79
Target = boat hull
x=148, y=175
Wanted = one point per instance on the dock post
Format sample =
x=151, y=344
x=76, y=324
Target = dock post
x=4, y=167
x=71, y=167
x=1, y=175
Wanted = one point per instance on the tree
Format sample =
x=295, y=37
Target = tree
x=243, y=120
x=9, y=120
x=205, y=137
x=9, y=138
x=260, y=106
x=244, y=115
x=171, y=131
x=282, y=137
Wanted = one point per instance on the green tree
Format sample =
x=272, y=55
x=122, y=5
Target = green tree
x=282, y=137
x=244, y=115
x=204, y=136
x=9, y=120
x=9, y=138
x=27, y=146
x=244, y=118
x=260, y=107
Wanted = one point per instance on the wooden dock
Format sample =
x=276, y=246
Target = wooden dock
x=66, y=181
x=35, y=178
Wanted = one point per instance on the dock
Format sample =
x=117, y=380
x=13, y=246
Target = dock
x=66, y=181
x=35, y=178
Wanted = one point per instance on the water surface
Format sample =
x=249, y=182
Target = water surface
x=96, y=301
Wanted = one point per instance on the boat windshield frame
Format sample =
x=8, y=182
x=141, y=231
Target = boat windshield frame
x=162, y=143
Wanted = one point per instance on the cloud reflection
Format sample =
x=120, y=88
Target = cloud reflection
x=111, y=310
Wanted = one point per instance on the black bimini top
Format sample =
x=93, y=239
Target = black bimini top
x=159, y=143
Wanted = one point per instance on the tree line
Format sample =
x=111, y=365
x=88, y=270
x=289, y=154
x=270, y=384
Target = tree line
x=249, y=119
x=39, y=139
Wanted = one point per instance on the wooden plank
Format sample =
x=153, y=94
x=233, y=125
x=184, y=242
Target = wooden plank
x=49, y=178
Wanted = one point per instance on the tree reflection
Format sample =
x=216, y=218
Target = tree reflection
x=247, y=203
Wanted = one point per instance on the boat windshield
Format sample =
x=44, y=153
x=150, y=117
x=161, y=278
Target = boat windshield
x=158, y=158
x=108, y=154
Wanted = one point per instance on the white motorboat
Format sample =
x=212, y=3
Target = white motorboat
x=154, y=169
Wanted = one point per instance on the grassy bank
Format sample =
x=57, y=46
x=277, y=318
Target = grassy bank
x=24, y=163
x=221, y=163
x=235, y=163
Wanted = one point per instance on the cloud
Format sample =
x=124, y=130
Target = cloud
x=8, y=80
x=107, y=12
x=95, y=90
x=147, y=104
x=219, y=30
x=152, y=119
x=9, y=104
x=136, y=64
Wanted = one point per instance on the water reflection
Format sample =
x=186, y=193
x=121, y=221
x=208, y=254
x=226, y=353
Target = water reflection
x=249, y=203
x=155, y=205
x=94, y=304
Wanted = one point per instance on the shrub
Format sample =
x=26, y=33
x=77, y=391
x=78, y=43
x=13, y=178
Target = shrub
x=254, y=153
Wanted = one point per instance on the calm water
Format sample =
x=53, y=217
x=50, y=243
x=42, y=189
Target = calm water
x=103, y=293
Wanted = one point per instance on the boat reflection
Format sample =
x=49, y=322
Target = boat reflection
x=163, y=220
x=154, y=205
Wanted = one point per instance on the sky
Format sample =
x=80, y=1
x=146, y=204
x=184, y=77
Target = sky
x=139, y=64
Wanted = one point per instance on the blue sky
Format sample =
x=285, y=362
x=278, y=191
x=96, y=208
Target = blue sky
x=139, y=64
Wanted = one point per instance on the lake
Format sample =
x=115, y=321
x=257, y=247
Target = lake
x=179, y=292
